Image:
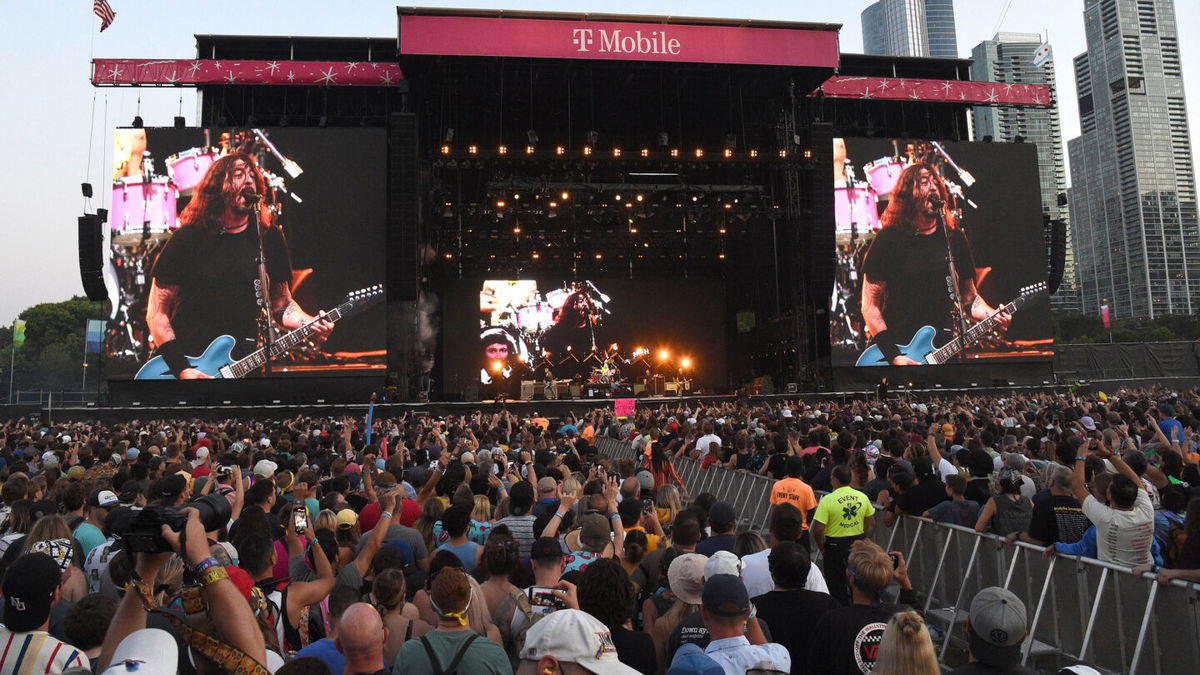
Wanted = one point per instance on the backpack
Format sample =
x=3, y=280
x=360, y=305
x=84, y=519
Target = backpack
x=515, y=642
x=73, y=521
x=452, y=669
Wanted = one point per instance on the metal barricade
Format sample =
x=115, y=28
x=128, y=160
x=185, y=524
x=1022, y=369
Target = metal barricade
x=1078, y=609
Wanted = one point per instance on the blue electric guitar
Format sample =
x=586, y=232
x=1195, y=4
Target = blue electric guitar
x=217, y=359
x=921, y=348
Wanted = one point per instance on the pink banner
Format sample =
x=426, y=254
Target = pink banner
x=623, y=407
x=950, y=91
x=623, y=41
x=189, y=72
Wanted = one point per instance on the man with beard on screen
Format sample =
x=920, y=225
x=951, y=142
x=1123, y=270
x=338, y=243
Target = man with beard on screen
x=204, y=281
x=905, y=272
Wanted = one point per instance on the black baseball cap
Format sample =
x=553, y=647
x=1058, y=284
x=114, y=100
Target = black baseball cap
x=545, y=548
x=29, y=589
x=725, y=595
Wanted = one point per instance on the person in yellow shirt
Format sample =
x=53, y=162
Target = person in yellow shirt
x=843, y=517
x=793, y=490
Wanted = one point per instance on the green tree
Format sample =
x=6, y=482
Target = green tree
x=52, y=357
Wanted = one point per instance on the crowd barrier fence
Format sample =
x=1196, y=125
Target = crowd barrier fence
x=1079, y=609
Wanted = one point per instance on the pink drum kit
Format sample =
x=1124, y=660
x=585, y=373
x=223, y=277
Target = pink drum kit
x=856, y=203
x=144, y=207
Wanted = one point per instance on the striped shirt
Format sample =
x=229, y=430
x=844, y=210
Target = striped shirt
x=36, y=653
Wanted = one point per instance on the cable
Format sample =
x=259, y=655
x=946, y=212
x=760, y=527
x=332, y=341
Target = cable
x=1000, y=19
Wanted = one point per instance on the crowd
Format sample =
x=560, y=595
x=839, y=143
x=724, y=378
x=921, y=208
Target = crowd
x=491, y=543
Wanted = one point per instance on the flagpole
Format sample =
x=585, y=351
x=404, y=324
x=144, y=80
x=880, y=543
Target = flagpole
x=12, y=360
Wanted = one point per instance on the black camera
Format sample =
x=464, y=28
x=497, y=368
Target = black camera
x=141, y=527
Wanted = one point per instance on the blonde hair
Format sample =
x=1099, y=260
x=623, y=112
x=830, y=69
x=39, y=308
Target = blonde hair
x=326, y=520
x=483, y=509
x=668, y=498
x=870, y=565
x=906, y=648
x=570, y=486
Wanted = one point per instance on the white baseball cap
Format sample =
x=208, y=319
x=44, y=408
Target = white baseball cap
x=265, y=468
x=574, y=636
x=722, y=562
x=149, y=651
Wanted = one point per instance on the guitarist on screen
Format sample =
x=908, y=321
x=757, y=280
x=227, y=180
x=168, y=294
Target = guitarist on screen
x=905, y=272
x=204, y=282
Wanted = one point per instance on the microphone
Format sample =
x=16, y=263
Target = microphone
x=250, y=195
x=937, y=202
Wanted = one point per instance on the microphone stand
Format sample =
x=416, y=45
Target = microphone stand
x=267, y=326
x=960, y=317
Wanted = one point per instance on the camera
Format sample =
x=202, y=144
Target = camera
x=141, y=527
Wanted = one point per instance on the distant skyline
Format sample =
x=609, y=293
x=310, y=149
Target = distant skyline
x=58, y=128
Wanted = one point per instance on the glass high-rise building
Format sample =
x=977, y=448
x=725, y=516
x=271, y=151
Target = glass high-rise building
x=1008, y=57
x=910, y=28
x=1133, y=196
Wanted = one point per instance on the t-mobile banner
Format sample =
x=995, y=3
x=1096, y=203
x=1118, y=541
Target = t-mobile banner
x=562, y=39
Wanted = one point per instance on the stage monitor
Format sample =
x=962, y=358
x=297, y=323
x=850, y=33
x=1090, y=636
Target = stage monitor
x=904, y=209
x=184, y=274
x=607, y=336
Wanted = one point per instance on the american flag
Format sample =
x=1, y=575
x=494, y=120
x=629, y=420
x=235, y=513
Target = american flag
x=105, y=11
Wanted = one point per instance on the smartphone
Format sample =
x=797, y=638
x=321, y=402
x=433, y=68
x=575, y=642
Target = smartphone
x=895, y=560
x=300, y=518
x=544, y=600
x=647, y=504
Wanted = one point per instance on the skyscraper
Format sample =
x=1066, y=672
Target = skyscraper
x=1133, y=197
x=910, y=28
x=1008, y=57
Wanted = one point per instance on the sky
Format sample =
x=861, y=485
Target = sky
x=57, y=128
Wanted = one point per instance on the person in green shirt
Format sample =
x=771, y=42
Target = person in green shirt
x=452, y=644
x=842, y=517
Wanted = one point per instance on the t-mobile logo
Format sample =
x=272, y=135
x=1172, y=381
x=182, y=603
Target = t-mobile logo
x=582, y=39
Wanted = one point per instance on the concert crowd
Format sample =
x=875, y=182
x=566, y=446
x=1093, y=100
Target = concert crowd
x=494, y=543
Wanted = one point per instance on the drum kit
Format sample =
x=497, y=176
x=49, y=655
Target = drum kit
x=856, y=203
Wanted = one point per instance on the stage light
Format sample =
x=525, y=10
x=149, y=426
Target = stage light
x=617, y=197
x=616, y=152
x=645, y=152
x=559, y=150
x=685, y=363
x=663, y=355
x=633, y=230
x=587, y=150
x=695, y=198
x=753, y=154
x=445, y=149
x=529, y=149
x=473, y=149
x=783, y=154
x=500, y=204
x=640, y=198
x=521, y=358
x=728, y=205
x=504, y=149
x=497, y=366
x=629, y=205
x=554, y=205
x=699, y=153
x=536, y=255
x=568, y=347
x=613, y=346
x=807, y=154
x=728, y=153
x=599, y=256
x=722, y=230
x=721, y=256
x=674, y=152
x=449, y=256
x=517, y=230
x=565, y=196
x=516, y=196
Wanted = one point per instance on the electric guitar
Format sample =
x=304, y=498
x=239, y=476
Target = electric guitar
x=217, y=359
x=921, y=348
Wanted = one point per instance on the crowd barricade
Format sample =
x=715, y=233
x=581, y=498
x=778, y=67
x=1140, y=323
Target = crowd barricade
x=1079, y=609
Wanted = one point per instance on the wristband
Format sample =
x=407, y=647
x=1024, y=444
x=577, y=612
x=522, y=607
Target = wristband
x=386, y=514
x=213, y=575
x=173, y=355
x=887, y=345
x=614, y=517
x=559, y=515
x=204, y=565
x=1081, y=459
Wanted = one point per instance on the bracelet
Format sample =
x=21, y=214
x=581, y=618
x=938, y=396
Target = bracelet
x=204, y=565
x=614, y=516
x=386, y=514
x=1081, y=459
x=558, y=515
x=213, y=576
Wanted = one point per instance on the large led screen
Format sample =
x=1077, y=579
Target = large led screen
x=601, y=333
x=941, y=254
x=198, y=292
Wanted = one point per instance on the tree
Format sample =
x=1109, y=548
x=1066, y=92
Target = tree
x=52, y=357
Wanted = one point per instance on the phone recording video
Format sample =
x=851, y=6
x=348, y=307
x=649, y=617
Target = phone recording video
x=544, y=600
x=300, y=518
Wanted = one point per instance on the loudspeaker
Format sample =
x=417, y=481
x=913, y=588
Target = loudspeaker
x=91, y=257
x=1057, y=254
x=404, y=208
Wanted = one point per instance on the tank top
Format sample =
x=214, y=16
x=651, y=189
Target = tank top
x=1011, y=516
x=465, y=553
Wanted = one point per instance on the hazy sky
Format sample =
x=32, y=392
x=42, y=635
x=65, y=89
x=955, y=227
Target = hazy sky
x=54, y=119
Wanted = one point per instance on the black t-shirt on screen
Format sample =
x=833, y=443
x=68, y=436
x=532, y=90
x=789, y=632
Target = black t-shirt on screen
x=216, y=275
x=913, y=268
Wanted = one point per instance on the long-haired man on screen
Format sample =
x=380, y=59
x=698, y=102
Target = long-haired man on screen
x=204, y=281
x=906, y=269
